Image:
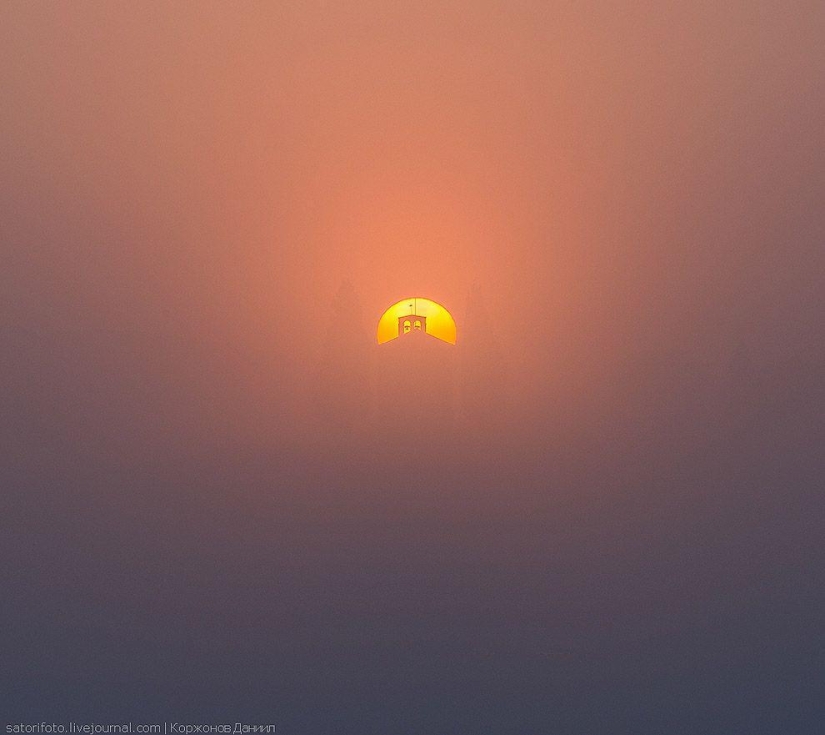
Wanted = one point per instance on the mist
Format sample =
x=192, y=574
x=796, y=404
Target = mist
x=603, y=514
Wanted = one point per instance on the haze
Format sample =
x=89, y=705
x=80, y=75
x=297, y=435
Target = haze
x=626, y=201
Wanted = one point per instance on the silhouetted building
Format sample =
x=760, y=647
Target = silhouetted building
x=415, y=382
x=411, y=323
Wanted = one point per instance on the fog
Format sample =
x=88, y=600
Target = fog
x=607, y=518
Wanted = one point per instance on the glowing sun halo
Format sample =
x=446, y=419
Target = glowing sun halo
x=439, y=322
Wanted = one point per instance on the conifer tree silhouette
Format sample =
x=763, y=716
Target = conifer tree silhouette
x=483, y=365
x=344, y=377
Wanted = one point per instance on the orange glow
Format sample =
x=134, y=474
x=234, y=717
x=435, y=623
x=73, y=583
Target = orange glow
x=439, y=321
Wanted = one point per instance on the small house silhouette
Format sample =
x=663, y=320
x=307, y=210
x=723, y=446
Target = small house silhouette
x=411, y=323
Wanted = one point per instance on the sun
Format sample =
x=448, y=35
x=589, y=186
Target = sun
x=437, y=321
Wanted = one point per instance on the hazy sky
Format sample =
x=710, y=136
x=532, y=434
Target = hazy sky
x=635, y=188
x=186, y=186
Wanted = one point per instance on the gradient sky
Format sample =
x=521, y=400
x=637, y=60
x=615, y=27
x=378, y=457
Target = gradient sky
x=193, y=183
x=636, y=191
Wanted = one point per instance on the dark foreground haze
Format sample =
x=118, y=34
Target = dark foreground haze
x=220, y=501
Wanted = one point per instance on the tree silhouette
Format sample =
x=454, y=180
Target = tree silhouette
x=344, y=375
x=483, y=366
